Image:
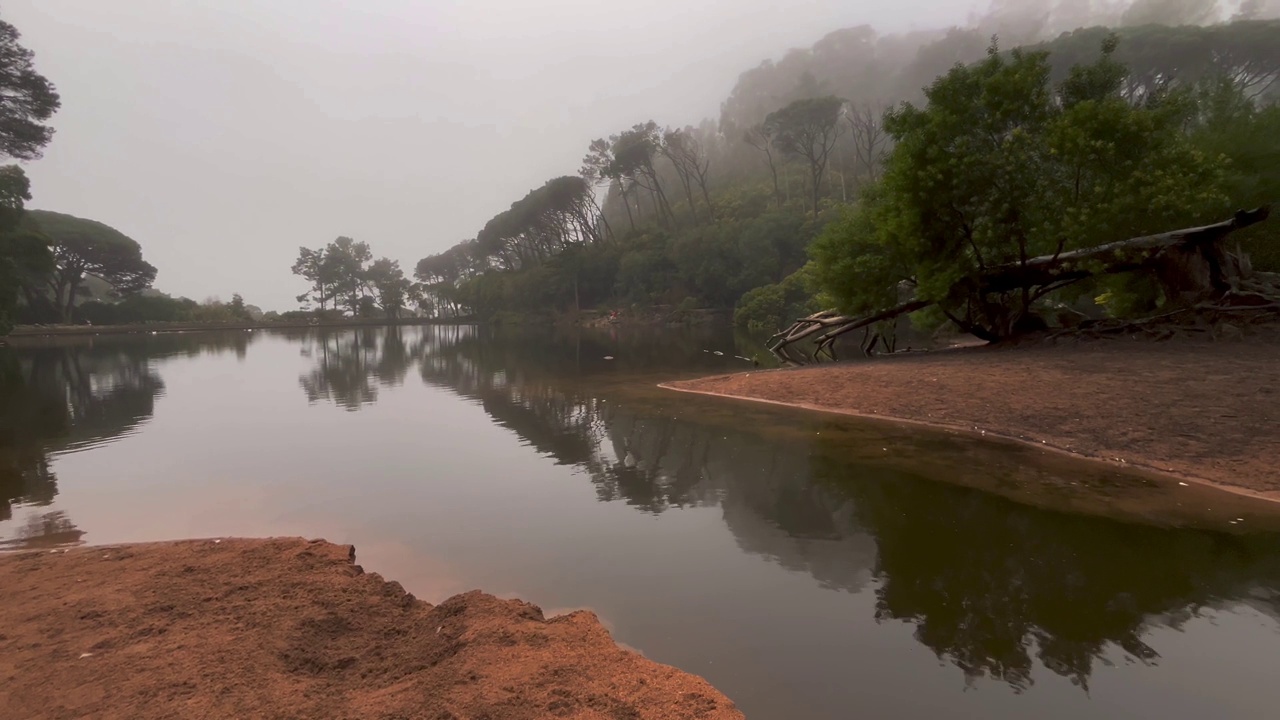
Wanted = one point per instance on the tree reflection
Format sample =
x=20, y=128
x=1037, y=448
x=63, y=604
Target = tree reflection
x=992, y=586
x=51, y=529
x=74, y=392
x=351, y=365
x=647, y=459
x=27, y=419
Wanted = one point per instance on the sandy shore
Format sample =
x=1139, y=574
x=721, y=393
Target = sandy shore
x=1203, y=411
x=287, y=628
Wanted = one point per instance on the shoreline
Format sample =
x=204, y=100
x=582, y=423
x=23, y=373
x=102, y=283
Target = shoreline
x=37, y=331
x=1126, y=405
x=979, y=434
x=291, y=627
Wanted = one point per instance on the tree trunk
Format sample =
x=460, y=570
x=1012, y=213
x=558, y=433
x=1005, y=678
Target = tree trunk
x=1192, y=264
x=626, y=203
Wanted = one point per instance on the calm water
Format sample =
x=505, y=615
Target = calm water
x=810, y=567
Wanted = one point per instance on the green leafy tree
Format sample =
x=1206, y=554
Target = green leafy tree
x=24, y=255
x=771, y=307
x=27, y=101
x=390, y=286
x=314, y=267
x=1000, y=166
x=634, y=152
x=87, y=248
x=238, y=309
x=808, y=129
x=1230, y=125
x=348, y=260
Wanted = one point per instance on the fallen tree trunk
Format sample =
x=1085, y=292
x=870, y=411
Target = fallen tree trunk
x=1189, y=260
x=1192, y=264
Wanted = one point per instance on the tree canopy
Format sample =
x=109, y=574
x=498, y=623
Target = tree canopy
x=27, y=101
x=87, y=248
x=1029, y=169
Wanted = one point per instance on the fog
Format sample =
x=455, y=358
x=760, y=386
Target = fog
x=223, y=134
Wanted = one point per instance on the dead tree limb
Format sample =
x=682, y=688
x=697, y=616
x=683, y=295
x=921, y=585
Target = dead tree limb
x=835, y=325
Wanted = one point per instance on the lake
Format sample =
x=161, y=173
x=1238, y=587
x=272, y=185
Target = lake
x=809, y=566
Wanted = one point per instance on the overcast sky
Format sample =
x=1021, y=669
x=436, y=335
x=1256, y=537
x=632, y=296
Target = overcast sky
x=223, y=134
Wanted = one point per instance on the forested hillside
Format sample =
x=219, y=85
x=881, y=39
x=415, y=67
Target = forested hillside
x=725, y=213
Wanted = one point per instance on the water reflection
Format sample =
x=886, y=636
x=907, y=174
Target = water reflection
x=991, y=586
x=997, y=589
x=71, y=394
x=351, y=365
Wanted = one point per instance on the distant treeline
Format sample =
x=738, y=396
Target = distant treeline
x=726, y=213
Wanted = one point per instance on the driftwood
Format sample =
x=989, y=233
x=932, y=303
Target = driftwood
x=835, y=325
x=1192, y=264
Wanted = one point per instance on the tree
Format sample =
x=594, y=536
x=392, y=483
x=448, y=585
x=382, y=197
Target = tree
x=347, y=261
x=633, y=154
x=390, y=285
x=315, y=267
x=238, y=309
x=24, y=255
x=1029, y=171
x=761, y=138
x=27, y=100
x=691, y=163
x=808, y=129
x=87, y=248
x=599, y=167
x=870, y=141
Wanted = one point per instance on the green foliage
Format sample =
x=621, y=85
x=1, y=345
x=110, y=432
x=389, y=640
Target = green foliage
x=24, y=255
x=711, y=265
x=1002, y=158
x=155, y=307
x=147, y=308
x=771, y=307
x=390, y=285
x=999, y=166
x=29, y=100
x=1247, y=135
x=807, y=129
x=1173, y=54
x=856, y=267
x=340, y=274
x=85, y=249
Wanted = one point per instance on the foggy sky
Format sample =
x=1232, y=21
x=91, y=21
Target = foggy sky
x=223, y=134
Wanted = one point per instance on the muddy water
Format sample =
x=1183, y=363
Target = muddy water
x=809, y=566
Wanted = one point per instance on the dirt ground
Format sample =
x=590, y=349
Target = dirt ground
x=287, y=628
x=1205, y=411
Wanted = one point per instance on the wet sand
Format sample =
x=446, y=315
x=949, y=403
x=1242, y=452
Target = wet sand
x=289, y=628
x=1207, y=412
